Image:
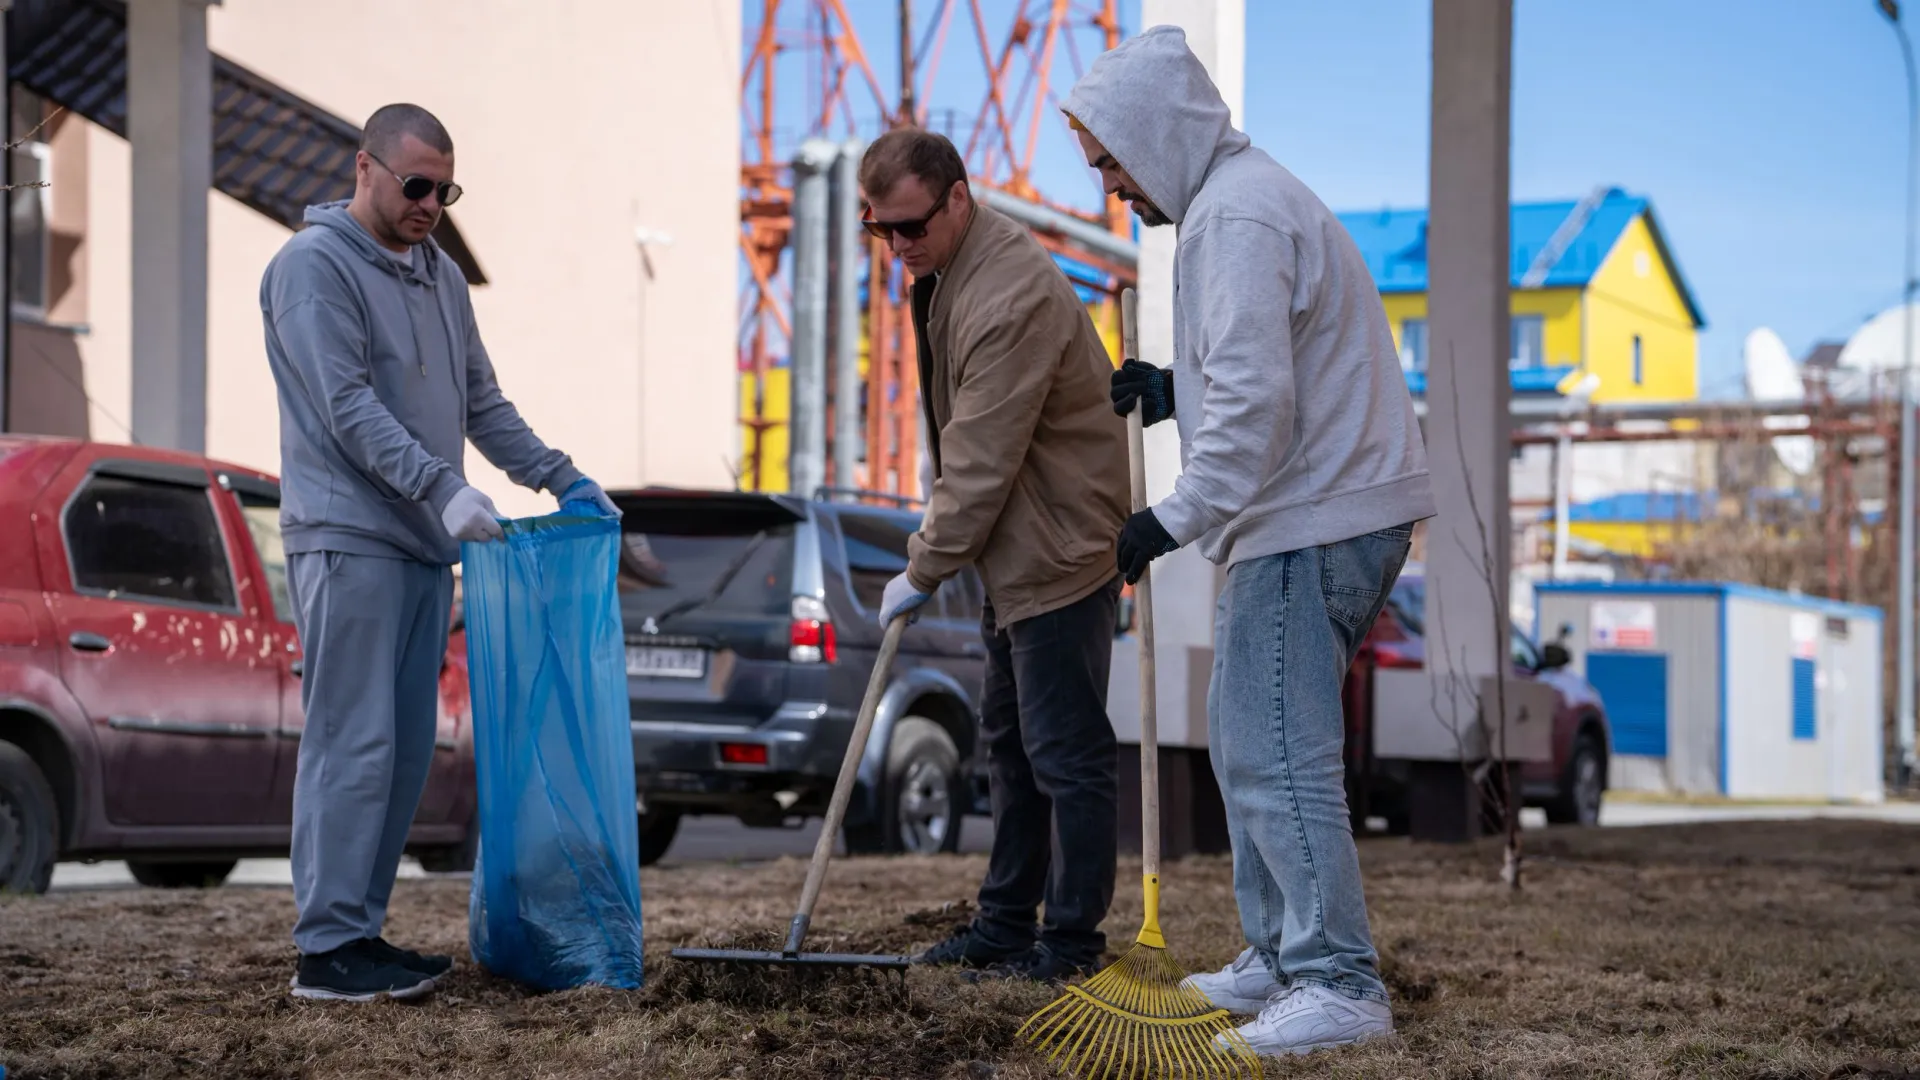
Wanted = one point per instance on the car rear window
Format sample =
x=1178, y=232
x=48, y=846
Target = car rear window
x=724, y=570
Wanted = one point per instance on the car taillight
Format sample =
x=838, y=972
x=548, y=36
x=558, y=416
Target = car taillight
x=741, y=753
x=811, y=639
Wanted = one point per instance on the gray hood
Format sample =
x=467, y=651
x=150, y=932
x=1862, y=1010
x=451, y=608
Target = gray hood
x=1152, y=104
x=336, y=217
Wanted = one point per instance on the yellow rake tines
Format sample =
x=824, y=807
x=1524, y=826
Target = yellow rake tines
x=1135, y=1019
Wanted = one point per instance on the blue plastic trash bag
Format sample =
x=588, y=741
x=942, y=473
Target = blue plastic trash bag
x=556, y=884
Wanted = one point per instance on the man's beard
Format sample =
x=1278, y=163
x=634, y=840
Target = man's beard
x=1150, y=214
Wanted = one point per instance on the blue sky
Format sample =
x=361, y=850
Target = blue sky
x=1771, y=135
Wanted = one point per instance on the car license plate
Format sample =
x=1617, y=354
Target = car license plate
x=654, y=662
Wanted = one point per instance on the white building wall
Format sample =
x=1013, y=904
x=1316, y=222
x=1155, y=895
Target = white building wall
x=1687, y=635
x=573, y=125
x=1854, y=707
x=1842, y=761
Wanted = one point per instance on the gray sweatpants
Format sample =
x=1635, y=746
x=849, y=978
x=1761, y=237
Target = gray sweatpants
x=373, y=632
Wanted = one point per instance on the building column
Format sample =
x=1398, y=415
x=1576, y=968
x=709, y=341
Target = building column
x=1467, y=434
x=1185, y=585
x=170, y=127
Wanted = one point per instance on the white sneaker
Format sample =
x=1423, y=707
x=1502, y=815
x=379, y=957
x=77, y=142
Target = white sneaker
x=1309, y=1018
x=1243, y=987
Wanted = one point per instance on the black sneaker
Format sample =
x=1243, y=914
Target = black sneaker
x=964, y=948
x=353, y=972
x=1035, y=965
x=431, y=965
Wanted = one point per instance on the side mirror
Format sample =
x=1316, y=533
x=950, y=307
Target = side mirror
x=1554, y=655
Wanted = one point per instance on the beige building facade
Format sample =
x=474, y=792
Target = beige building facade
x=598, y=146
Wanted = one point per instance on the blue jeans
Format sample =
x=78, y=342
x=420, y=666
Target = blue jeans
x=1286, y=632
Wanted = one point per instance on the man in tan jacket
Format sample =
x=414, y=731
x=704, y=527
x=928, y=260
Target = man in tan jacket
x=1029, y=483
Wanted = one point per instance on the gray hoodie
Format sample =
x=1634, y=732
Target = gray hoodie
x=1296, y=427
x=382, y=379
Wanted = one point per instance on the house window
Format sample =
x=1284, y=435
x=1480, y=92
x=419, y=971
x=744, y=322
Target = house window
x=1413, y=345
x=29, y=209
x=1528, y=336
x=1639, y=364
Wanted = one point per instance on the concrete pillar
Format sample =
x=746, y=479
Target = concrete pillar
x=807, y=353
x=170, y=127
x=1186, y=585
x=1467, y=388
x=849, y=426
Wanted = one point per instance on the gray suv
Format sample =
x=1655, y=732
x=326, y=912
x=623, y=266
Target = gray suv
x=752, y=628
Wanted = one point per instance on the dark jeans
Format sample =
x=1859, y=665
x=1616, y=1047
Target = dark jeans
x=1051, y=760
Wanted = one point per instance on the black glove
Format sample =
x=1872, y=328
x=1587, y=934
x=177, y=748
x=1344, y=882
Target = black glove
x=1142, y=540
x=1137, y=379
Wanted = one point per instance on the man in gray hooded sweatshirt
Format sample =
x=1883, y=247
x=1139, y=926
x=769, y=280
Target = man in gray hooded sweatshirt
x=382, y=379
x=1303, y=472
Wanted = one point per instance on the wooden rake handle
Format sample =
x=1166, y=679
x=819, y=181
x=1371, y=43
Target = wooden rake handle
x=843, y=785
x=1143, y=603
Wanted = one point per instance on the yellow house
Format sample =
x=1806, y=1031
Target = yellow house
x=1595, y=289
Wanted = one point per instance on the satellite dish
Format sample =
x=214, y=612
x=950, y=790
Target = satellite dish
x=1878, y=347
x=1773, y=376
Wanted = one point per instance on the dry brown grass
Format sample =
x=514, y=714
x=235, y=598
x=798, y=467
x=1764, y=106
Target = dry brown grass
x=1749, y=951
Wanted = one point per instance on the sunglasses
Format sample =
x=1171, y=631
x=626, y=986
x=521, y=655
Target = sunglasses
x=415, y=188
x=912, y=229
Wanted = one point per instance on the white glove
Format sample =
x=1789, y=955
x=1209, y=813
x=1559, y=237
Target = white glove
x=471, y=516
x=900, y=596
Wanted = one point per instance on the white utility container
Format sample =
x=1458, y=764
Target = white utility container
x=1726, y=689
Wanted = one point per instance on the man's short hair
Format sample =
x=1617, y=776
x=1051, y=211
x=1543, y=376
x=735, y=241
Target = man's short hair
x=390, y=123
x=911, y=151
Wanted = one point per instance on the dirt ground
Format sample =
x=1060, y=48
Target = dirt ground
x=1760, y=951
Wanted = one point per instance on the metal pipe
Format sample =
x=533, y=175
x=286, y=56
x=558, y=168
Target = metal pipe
x=1085, y=233
x=1903, y=717
x=807, y=352
x=1704, y=433
x=6, y=242
x=909, y=109
x=1562, y=499
x=847, y=394
x=1552, y=409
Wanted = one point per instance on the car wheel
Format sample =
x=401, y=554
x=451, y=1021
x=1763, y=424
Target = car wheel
x=29, y=824
x=1583, y=786
x=181, y=875
x=922, y=803
x=657, y=830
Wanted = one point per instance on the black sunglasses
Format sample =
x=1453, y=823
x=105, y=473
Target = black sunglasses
x=415, y=188
x=912, y=229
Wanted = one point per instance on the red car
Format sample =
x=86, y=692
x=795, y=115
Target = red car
x=150, y=671
x=1569, y=787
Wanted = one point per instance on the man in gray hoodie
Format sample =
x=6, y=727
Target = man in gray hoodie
x=382, y=379
x=1303, y=472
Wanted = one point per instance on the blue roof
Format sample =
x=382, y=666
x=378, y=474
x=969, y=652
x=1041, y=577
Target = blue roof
x=1638, y=507
x=1394, y=243
x=1649, y=507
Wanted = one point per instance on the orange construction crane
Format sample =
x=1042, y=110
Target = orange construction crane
x=999, y=139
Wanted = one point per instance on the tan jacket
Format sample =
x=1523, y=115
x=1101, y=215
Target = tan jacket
x=1030, y=462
